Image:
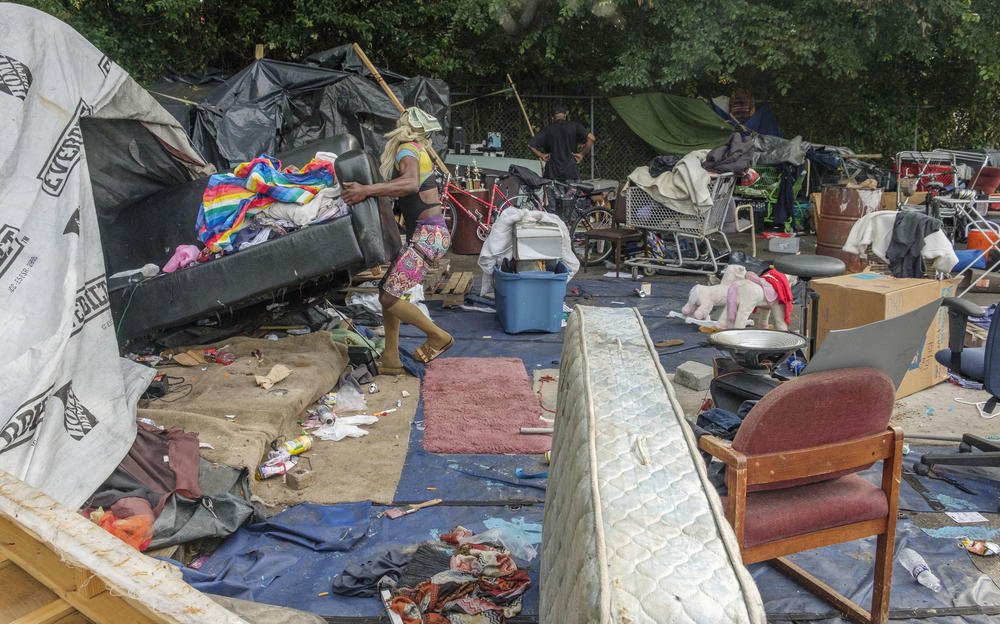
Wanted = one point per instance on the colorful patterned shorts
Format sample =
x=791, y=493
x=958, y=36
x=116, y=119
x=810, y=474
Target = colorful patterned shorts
x=430, y=243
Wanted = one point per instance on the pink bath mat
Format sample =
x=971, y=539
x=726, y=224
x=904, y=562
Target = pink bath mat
x=478, y=405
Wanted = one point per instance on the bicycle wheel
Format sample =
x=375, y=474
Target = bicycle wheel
x=450, y=214
x=595, y=219
x=523, y=202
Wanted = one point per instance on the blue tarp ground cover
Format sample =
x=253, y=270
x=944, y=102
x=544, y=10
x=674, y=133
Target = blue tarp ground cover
x=294, y=556
x=938, y=494
x=849, y=567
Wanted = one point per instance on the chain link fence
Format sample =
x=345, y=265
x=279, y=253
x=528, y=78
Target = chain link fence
x=616, y=152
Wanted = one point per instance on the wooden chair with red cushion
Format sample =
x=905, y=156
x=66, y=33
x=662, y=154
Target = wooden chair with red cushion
x=791, y=468
x=616, y=234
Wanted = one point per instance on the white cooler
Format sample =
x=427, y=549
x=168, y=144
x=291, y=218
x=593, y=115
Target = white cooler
x=537, y=241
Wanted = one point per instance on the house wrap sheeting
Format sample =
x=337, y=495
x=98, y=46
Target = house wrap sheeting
x=67, y=400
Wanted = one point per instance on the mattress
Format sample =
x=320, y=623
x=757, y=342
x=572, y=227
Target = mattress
x=633, y=531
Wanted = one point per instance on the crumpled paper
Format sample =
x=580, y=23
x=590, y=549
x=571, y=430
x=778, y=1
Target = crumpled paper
x=276, y=374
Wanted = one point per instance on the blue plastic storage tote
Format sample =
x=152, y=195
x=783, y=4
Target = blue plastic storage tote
x=532, y=300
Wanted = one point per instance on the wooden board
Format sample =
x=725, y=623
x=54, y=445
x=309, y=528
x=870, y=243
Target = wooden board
x=81, y=573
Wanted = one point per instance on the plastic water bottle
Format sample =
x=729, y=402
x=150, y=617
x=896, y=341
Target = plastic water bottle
x=918, y=568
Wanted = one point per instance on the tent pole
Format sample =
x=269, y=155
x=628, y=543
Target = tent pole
x=392, y=96
x=521, y=104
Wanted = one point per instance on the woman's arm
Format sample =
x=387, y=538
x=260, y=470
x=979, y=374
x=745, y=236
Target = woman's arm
x=407, y=183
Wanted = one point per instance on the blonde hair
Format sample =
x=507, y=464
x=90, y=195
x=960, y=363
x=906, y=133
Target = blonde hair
x=404, y=133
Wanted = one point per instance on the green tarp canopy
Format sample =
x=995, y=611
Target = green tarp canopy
x=671, y=123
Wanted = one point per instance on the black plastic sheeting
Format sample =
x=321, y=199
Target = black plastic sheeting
x=272, y=106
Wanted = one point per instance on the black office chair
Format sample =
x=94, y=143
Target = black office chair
x=980, y=364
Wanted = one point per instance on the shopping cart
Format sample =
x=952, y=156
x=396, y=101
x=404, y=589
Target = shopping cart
x=691, y=250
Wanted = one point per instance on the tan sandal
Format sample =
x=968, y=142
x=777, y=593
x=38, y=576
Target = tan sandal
x=425, y=352
x=388, y=370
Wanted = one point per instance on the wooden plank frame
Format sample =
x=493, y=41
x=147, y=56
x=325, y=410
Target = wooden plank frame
x=95, y=573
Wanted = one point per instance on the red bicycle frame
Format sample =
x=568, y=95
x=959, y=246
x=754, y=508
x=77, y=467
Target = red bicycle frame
x=491, y=206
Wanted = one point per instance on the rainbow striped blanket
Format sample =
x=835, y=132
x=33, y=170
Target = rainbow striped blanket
x=231, y=198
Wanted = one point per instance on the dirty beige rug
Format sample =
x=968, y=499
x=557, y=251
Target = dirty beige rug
x=365, y=468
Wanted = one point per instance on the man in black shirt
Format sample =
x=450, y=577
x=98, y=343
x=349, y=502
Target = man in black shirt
x=556, y=145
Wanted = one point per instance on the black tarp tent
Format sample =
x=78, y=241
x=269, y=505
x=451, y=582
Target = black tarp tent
x=274, y=106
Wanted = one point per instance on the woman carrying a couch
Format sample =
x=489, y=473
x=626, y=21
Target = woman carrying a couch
x=406, y=163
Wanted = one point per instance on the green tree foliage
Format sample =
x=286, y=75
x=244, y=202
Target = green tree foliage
x=872, y=74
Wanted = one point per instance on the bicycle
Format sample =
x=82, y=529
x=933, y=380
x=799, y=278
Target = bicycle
x=573, y=203
x=451, y=204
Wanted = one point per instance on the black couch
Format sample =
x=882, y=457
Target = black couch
x=150, y=229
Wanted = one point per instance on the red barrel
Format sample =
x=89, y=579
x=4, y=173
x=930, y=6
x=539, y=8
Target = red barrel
x=465, y=241
x=839, y=208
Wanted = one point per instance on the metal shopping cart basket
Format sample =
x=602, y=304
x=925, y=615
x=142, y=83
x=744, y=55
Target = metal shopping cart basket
x=689, y=246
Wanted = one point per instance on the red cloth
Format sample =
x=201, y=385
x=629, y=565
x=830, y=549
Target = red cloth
x=780, y=283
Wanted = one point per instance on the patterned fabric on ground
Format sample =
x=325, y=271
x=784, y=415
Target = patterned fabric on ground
x=482, y=586
x=230, y=198
x=430, y=243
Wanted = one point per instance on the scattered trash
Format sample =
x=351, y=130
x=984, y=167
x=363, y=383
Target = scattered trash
x=279, y=392
x=399, y=402
x=397, y=512
x=277, y=373
x=531, y=475
x=979, y=547
x=929, y=410
x=219, y=356
x=372, y=389
x=230, y=416
x=345, y=427
x=321, y=594
x=268, y=470
x=205, y=445
x=257, y=353
x=350, y=397
x=273, y=337
x=796, y=365
x=199, y=561
x=906, y=448
x=148, y=421
x=431, y=488
x=673, y=342
x=966, y=517
x=487, y=337
x=324, y=415
x=295, y=446
x=617, y=303
x=384, y=413
x=918, y=569
x=405, y=394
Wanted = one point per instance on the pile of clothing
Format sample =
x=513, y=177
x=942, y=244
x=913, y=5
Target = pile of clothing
x=467, y=579
x=904, y=239
x=481, y=585
x=260, y=200
x=683, y=185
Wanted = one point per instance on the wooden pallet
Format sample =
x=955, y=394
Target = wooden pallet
x=451, y=289
x=57, y=566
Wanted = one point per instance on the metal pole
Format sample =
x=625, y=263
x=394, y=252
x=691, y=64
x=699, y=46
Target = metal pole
x=593, y=149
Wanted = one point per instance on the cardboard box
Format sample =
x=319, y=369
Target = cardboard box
x=853, y=300
x=982, y=282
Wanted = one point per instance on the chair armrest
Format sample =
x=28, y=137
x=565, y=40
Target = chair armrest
x=959, y=311
x=722, y=450
x=966, y=307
